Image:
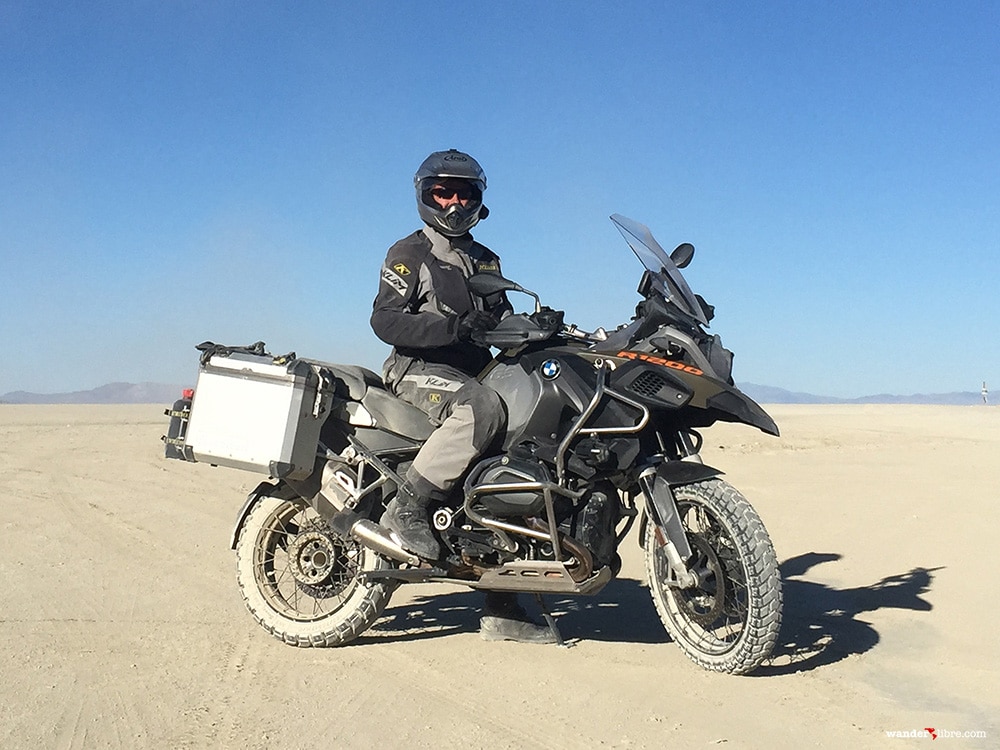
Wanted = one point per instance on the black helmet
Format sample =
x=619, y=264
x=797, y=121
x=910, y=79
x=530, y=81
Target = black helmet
x=455, y=220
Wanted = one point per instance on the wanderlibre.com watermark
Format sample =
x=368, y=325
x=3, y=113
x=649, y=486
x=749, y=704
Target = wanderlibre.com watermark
x=936, y=734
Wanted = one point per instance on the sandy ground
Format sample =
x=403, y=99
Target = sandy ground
x=123, y=625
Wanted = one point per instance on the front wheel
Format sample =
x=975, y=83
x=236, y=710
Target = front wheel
x=729, y=622
x=302, y=583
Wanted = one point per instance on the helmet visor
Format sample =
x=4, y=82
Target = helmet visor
x=443, y=192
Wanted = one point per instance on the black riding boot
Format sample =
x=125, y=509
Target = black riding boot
x=406, y=516
x=504, y=619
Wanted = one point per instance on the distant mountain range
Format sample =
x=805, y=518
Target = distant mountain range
x=112, y=393
x=160, y=393
x=766, y=394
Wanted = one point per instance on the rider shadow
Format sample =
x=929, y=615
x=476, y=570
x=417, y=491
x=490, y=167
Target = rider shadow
x=822, y=625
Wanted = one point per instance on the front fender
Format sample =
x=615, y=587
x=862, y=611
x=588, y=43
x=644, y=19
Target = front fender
x=658, y=494
x=676, y=473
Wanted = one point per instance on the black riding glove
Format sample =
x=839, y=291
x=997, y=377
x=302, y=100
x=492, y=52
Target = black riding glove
x=474, y=322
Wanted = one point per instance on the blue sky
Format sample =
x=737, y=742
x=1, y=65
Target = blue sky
x=234, y=171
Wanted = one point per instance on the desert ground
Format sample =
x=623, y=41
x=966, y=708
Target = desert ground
x=123, y=625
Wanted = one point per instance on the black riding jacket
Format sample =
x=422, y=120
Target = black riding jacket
x=423, y=294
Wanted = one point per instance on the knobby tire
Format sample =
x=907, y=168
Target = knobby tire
x=730, y=622
x=318, y=606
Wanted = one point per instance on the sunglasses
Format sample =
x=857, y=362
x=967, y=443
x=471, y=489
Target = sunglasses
x=463, y=193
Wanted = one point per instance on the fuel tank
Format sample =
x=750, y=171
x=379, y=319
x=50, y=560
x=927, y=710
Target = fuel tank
x=546, y=389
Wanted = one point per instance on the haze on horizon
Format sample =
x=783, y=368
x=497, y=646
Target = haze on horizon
x=183, y=172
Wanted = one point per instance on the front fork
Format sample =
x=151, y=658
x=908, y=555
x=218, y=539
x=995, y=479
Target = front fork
x=656, y=483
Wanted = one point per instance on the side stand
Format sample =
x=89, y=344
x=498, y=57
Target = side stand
x=551, y=622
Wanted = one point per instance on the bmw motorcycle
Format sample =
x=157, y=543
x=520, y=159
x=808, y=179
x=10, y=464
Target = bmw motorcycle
x=602, y=434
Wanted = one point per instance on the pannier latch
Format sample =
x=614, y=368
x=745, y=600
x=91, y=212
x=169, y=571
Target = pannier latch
x=326, y=385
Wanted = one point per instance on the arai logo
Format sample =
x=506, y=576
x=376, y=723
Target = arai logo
x=550, y=369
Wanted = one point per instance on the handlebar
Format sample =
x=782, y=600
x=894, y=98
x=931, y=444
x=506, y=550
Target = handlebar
x=518, y=329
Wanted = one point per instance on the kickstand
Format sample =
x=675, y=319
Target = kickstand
x=551, y=621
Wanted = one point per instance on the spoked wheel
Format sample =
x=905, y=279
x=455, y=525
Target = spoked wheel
x=729, y=622
x=302, y=583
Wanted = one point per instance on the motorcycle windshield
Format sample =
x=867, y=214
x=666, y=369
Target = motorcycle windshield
x=667, y=277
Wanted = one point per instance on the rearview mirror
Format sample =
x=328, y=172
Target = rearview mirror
x=682, y=254
x=486, y=284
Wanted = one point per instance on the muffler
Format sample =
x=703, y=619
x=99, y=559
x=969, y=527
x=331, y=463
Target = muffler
x=347, y=523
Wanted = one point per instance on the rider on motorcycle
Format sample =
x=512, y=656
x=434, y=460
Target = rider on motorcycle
x=425, y=310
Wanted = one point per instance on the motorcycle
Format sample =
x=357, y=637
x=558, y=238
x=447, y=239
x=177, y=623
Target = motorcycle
x=602, y=432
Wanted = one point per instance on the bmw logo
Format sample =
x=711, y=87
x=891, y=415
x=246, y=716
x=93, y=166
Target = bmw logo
x=550, y=369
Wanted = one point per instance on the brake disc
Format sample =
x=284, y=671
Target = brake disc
x=321, y=565
x=704, y=603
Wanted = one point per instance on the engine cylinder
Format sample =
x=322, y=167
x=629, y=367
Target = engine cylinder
x=512, y=502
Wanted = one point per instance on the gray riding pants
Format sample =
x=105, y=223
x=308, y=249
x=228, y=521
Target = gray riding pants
x=470, y=417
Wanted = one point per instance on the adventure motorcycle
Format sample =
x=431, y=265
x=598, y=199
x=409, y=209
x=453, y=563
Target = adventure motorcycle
x=601, y=432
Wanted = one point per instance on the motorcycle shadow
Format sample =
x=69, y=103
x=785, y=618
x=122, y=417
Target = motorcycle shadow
x=621, y=612
x=821, y=624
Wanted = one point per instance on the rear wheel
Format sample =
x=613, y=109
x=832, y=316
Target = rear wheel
x=729, y=622
x=301, y=582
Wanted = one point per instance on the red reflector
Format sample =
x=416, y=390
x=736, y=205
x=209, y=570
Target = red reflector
x=187, y=393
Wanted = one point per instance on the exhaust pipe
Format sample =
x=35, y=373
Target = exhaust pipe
x=347, y=523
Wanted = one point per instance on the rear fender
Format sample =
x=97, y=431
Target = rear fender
x=264, y=489
x=285, y=489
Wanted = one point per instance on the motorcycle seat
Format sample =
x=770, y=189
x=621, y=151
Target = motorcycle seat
x=395, y=415
x=358, y=383
x=353, y=381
